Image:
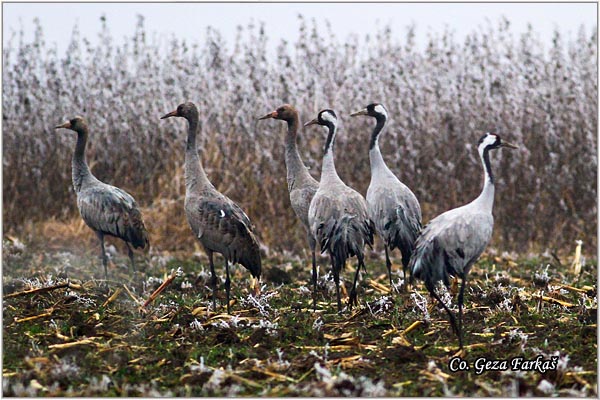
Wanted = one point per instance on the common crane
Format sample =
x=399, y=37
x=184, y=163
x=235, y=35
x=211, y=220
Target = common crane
x=301, y=185
x=106, y=209
x=219, y=224
x=452, y=242
x=338, y=216
x=393, y=207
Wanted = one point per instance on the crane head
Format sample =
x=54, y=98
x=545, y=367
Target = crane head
x=493, y=141
x=324, y=118
x=375, y=110
x=75, y=124
x=184, y=110
x=285, y=112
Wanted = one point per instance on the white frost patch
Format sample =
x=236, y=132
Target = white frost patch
x=99, y=385
x=199, y=368
x=195, y=325
x=185, y=285
x=545, y=387
x=399, y=284
x=270, y=327
x=304, y=290
x=421, y=305
x=281, y=363
x=517, y=334
x=85, y=301
x=347, y=385
x=505, y=305
x=381, y=305
x=260, y=302
x=215, y=380
x=318, y=324
x=542, y=276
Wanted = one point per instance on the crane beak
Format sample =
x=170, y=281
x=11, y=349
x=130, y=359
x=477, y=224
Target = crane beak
x=269, y=115
x=171, y=114
x=313, y=122
x=361, y=112
x=66, y=125
x=509, y=145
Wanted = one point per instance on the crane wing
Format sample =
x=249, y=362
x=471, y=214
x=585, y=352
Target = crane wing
x=222, y=226
x=340, y=224
x=397, y=217
x=450, y=244
x=301, y=199
x=113, y=211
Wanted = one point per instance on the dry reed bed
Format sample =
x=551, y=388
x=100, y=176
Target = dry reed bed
x=441, y=100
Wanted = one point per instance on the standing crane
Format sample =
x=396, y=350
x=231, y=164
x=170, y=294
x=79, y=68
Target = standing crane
x=106, y=209
x=301, y=185
x=219, y=224
x=393, y=207
x=453, y=241
x=338, y=216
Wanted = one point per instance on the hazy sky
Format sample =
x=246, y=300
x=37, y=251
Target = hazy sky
x=188, y=21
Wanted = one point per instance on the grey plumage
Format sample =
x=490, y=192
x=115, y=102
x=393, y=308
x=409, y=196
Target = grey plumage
x=392, y=206
x=452, y=242
x=338, y=216
x=219, y=224
x=301, y=185
x=106, y=209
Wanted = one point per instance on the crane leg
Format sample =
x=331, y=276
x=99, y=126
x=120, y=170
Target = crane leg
x=353, y=299
x=227, y=284
x=460, y=309
x=336, y=279
x=132, y=262
x=312, y=243
x=388, y=264
x=131, y=255
x=213, y=280
x=450, y=315
x=103, y=256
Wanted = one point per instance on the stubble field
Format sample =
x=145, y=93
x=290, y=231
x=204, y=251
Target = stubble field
x=67, y=335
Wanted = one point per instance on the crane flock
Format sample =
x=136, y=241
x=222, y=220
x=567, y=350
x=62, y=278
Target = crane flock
x=335, y=216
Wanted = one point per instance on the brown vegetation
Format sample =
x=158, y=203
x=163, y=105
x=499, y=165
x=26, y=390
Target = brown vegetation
x=440, y=100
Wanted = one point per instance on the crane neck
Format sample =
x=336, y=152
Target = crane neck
x=195, y=177
x=79, y=168
x=375, y=158
x=328, y=171
x=292, y=132
x=381, y=120
x=296, y=170
x=486, y=198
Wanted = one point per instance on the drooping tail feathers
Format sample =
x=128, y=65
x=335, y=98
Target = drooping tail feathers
x=402, y=233
x=250, y=256
x=345, y=238
x=135, y=232
x=430, y=264
x=253, y=263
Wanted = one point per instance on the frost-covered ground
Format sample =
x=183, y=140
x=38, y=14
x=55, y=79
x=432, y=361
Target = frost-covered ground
x=72, y=337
